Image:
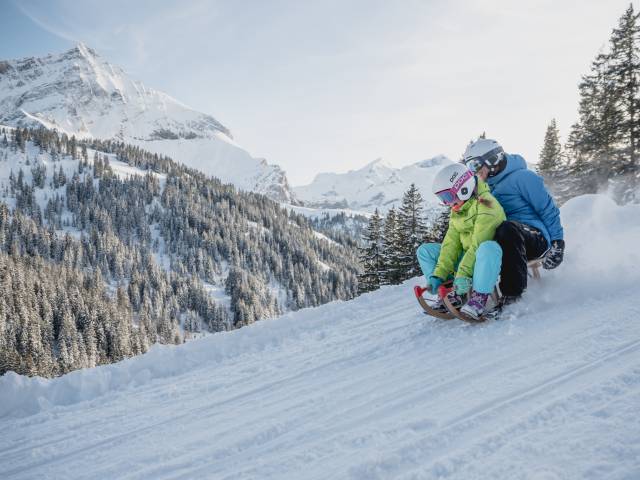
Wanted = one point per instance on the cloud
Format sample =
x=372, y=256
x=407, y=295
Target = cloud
x=27, y=11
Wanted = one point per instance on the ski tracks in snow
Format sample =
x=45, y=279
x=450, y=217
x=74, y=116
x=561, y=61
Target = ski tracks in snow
x=368, y=389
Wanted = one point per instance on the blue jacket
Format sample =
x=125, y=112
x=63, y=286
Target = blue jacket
x=525, y=199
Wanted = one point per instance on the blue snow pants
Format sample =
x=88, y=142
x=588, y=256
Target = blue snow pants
x=485, y=271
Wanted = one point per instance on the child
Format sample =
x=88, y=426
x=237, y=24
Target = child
x=468, y=253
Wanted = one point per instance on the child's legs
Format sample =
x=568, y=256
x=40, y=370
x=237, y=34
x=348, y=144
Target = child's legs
x=428, y=254
x=487, y=267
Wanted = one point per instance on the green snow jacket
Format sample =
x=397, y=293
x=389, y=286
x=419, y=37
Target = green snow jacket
x=474, y=223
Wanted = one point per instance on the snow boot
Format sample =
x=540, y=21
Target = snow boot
x=454, y=298
x=437, y=304
x=475, y=307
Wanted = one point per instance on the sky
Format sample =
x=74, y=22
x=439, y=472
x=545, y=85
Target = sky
x=331, y=85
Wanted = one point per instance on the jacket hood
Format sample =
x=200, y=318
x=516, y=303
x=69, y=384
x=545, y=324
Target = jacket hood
x=514, y=162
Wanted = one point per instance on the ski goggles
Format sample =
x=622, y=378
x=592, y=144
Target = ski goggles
x=448, y=197
x=474, y=164
x=490, y=159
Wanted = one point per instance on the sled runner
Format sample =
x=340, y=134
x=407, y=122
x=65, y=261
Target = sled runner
x=534, y=267
x=419, y=291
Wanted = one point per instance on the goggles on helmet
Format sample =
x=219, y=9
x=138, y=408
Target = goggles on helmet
x=448, y=197
x=474, y=164
x=491, y=159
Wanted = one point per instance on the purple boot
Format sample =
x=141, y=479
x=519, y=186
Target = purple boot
x=476, y=304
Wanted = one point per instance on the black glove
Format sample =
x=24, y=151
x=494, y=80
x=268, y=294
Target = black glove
x=554, y=255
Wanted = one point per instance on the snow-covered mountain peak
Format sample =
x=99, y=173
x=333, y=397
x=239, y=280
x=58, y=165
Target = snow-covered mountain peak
x=79, y=93
x=84, y=50
x=378, y=165
x=377, y=185
x=437, y=161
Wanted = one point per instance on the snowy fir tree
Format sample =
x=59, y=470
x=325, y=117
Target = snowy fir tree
x=411, y=231
x=552, y=165
x=388, y=255
x=371, y=256
x=392, y=272
x=437, y=225
x=604, y=143
x=551, y=156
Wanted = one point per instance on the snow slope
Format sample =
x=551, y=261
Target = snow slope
x=369, y=389
x=79, y=93
x=376, y=185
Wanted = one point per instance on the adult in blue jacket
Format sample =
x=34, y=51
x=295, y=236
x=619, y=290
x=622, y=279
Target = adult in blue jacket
x=533, y=227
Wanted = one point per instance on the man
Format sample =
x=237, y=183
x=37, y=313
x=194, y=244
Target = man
x=533, y=227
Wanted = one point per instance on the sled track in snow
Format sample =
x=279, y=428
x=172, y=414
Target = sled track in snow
x=362, y=395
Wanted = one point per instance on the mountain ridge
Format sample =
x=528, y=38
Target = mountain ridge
x=376, y=185
x=79, y=93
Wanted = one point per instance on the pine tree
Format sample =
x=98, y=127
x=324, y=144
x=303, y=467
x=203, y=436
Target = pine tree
x=411, y=231
x=371, y=256
x=604, y=144
x=552, y=166
x=551, y=154
x=623, y=70
x=594, y=140
x=438, y=223
x=392, y=273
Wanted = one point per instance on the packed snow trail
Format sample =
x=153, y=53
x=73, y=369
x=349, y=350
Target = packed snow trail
x=369, y=389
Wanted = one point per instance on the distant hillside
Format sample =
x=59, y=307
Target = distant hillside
x=127, y=248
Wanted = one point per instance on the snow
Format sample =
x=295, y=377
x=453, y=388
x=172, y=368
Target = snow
x=369, y=389
x=222, y=158
x=322, y=236
x=124, y=170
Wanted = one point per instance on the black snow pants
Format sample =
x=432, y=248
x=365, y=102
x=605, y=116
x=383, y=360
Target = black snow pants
x=519, y=243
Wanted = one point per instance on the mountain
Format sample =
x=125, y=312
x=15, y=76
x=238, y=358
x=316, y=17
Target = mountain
x=376, y=185
x=81, y=94
x=369, y=389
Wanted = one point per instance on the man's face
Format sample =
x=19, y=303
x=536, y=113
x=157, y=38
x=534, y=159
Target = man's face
x=483, y=173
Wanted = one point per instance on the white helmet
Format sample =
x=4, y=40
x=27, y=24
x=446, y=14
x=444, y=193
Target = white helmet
x=453, y=183
x=485, y=151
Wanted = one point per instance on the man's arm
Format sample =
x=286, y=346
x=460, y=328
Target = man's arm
x=533, y=190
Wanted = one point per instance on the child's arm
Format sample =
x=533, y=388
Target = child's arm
x=486, y=222
x=449, y=254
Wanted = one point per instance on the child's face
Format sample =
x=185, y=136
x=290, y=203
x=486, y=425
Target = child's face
x=456, y=206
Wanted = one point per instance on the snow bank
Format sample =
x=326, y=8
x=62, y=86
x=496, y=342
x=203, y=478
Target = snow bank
x=602, y=255
x=21, y=395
